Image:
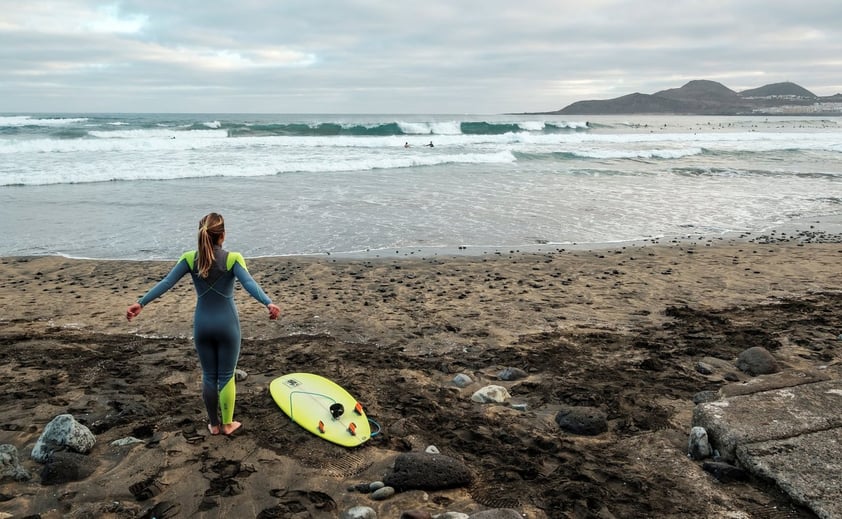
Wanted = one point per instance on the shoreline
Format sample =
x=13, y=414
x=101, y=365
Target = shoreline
x=826, y=229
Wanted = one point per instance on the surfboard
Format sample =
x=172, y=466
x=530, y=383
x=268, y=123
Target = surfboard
x=322, y=407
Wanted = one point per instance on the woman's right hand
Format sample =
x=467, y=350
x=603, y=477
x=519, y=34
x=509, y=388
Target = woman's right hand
x=133, y=311
x=274, y=311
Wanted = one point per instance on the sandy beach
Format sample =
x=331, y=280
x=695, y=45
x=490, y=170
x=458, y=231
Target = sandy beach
x=620, y=329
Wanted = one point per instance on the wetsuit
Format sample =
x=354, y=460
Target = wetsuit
x=216, y=324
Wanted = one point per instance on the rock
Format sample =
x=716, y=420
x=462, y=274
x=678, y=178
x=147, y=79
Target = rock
x=240, y=375
x=757, y=361
x=588, y=421
x=416, y=514
x=383, y=493
x=10, y=466
x=64, y=467
x=375, y=485
x=724, y=472
x=129, y=440
x=491, y=394
x=704, y=368
x=63, y=433
x=451, y=515
x=462, y=380
x=432, y=449
x=421, y=471
x=732, y=377
x=512, y=374
x=705, y=396
x=698, y=447
x=497, y=513
x=358, y=512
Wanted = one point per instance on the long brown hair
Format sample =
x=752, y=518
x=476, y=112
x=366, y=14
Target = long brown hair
x=211, y=228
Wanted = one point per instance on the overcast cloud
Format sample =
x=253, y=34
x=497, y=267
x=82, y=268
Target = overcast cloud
x=388, y=56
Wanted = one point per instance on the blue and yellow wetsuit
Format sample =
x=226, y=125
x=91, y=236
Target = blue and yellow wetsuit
x=216, y=324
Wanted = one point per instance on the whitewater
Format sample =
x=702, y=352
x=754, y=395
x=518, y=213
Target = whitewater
x=133, y=186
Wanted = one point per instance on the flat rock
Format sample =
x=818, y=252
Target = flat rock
x=769, y=415
x=806, y=467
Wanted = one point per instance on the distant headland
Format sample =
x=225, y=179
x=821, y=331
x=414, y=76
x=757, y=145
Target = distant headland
x=703, y=97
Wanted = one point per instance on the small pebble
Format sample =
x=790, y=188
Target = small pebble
x=383, y=493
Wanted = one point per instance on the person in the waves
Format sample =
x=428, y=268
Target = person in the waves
x=216, y=324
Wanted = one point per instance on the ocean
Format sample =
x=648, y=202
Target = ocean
x=134, y=186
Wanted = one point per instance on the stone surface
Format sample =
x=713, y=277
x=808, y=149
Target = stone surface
x=770, y=415
x=512, y=374
x=807, y=467
x=359, y=512
x=491, y=395
x=791, y=436
x=62, y=433
x=757, y=361
x=10, y=466
x=422, y=471
x=588, y=421
x=698, y=446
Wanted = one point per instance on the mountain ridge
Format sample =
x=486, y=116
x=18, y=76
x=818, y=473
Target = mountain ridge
x=706, y=97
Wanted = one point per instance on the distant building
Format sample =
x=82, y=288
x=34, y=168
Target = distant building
x=815, y=108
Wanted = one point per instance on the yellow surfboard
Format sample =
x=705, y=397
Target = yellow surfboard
x=322, y=407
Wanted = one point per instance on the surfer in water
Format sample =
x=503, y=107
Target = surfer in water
x=216, y=324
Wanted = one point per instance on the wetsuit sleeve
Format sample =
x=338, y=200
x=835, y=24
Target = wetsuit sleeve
x=248, y=282
x=178, y=271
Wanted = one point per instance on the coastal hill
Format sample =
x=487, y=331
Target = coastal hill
x=703, y=97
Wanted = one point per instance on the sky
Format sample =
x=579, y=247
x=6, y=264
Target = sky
x=400, y=57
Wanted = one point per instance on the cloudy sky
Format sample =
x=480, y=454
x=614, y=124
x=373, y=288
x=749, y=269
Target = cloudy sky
x=392, y=56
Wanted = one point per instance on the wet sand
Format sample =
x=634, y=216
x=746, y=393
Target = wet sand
x=618, y=329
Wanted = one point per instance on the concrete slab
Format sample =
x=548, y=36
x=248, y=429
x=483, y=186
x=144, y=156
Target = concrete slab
x=807, y=467
x=770, y=415
x=789, y=378
x=791, y=436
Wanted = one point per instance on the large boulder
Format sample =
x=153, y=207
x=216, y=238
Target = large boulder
x=63, y=433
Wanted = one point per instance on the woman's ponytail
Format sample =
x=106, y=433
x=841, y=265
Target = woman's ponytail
x=211, y=228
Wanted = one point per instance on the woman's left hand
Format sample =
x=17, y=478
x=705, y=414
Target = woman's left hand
x=274, y=311
x=133, y=311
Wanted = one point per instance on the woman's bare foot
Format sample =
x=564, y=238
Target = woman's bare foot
x=213, y=429
x=230, y=428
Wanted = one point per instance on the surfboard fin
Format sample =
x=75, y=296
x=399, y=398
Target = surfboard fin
x=352, y=428
x=321, y=426
x=358, y=409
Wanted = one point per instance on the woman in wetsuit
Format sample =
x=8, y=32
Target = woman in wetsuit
x=216, y=325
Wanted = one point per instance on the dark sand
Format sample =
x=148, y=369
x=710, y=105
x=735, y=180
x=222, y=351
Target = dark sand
x=619, y=329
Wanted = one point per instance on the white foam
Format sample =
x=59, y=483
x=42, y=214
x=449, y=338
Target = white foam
x=431, y=128
x=26, y=120
x=638, y=154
